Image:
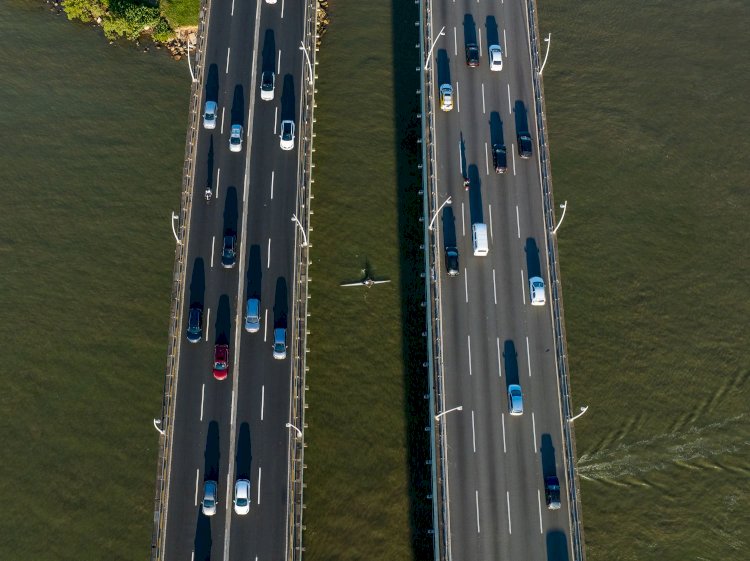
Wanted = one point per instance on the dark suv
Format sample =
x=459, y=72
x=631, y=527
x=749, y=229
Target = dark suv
x=451, y=261
x=472, y=55
x=552, y=492
x=524, y=144
x=499, y=158
x=195, y=323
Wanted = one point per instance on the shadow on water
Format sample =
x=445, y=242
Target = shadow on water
x=533, y=267
x=254, y=272
x=449, y=226
x=476, y=212
x=496, y=128
x=281, y=303
x=549, y=465
x=238, y=106
x=287, y=110
x=212, y=83
x=557, y=546
x=493, y=37
x=244, y=456
x=223, y=325
x=268, y=55
x=202, y=543
x=510, y=358
x=408, y=176
x=443, y=64
x=198, y=282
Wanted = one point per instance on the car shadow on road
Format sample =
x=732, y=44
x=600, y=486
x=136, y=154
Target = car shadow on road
x=476, y=212
x=557, y=546
x=496, y=128
x=547, y=451
x=202, y=543
x=510, y=359
x=244, y=456
x=288, y=109
x=223, y=324
x=281, y=304
x=470, y=29
x=268, y=55
x=533, y=266
x=198, y=282
x=231, y=211
x=211, y=454
x=520, y=116
x=212, y=83
x=449, y=227
x=238, y=106
x=493, y=37
x=254, y=273
x=443, y=67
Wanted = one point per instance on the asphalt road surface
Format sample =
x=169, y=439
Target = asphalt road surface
x=235, y=428
x=492, y=336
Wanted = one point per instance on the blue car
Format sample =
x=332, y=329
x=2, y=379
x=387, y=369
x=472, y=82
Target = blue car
x=195, y=324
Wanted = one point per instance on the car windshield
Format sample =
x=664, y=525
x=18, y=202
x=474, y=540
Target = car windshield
x=241, y=502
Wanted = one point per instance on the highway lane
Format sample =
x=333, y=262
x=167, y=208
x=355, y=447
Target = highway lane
x=492, y=336
x=235, y=428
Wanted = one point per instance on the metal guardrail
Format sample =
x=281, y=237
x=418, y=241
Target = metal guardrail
x=161, y=494
x=300, y=293
x=558, y=319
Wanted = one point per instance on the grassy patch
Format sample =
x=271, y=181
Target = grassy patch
x=180, y=13
x=89, y=178
x=648, y=126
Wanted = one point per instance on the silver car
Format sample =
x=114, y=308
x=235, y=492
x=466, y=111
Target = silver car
x=208, y=504
x=235, y=138
x=515, y=399
x=242, y=496
x=209, y=115
x=267, y=81
x=252, y=315
x=536, y=291
x=287, y=135
x=279, y=343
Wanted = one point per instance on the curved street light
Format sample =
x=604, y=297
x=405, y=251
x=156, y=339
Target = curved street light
x=583, y=410
x=459, y=408
x=446, y=202
x=291, y=426
x=429, y=54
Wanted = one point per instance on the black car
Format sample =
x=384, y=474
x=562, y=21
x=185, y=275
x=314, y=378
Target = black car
x=472, y=55
x=552, y=492
x=451, y=261
x=499, y=158
x=228, y=253
x=195, y=323
x=524, y=144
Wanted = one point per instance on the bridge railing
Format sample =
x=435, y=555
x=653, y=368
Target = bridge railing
x=161, y=492
x=558, y=323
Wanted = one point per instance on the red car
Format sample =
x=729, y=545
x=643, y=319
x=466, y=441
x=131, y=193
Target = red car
x=221, y=361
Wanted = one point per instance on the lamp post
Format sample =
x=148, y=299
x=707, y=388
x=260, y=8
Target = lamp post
x=175, y=217
x=190, y=67
x=564, y=207
x=583, y=410
x=429, y=53
x=291, y=426
x=309, y=65
x=459, y=408
x=157, y=426
x=301, y=229
x=547, y=40
x=446, y=202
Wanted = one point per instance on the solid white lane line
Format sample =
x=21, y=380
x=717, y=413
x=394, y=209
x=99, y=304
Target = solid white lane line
x=232, y=12
x=528, y=355
x=460, y=163
x=463, y=220
x=227, y=68
x=492, y=233
x=203, y=396
x=221, y=130
x=494, y=286
x=208, y=317
x=476, y=499
x=262, y=400
x=480, y=41
x=196, y=486
x=483, y=107
x=510, y=107
x=539, y=503
x=473, y=433
x=229, y=491
x=268, y=260
x=278, y=64
x=499, y=363
x=218, y=177
x=523, y=289
x=466, y=286
x=486, y=159
x=458, y=101
x=505, y=450
x=213, y=243
x=455, y=41
x=273, y=174
x=468, y=344
x=507, y=498
x=234, y=407
x=533, y=428
x=505, y=44
x=518, y=223
x=192, y=553
x=513, y=152
x=259, y=474
x=276, y=118
x=244, y=191
x=265, y=327
x=282, y=9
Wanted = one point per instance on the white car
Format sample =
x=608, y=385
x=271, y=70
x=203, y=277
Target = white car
x=209, y=115
x=270, y=1
x=536, y=291
x=208, y=504
x=287, y=135
x=267, y=81
x=235, y=138
x=242, y=496
x=496, y=58
x=446, y=97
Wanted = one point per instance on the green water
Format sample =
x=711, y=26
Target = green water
x=92, y=139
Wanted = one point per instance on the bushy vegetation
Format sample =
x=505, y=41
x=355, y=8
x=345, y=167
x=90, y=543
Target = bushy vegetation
x=121, y=18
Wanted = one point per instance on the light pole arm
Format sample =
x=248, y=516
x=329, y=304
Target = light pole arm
x=548, y=40
x=429, y=54
x=564, y=207
x=583, y=410
x=291, y=426
x=446, y=202
x=459, y=408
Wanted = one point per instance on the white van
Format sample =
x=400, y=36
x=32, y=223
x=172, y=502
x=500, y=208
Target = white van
x=479, y=239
